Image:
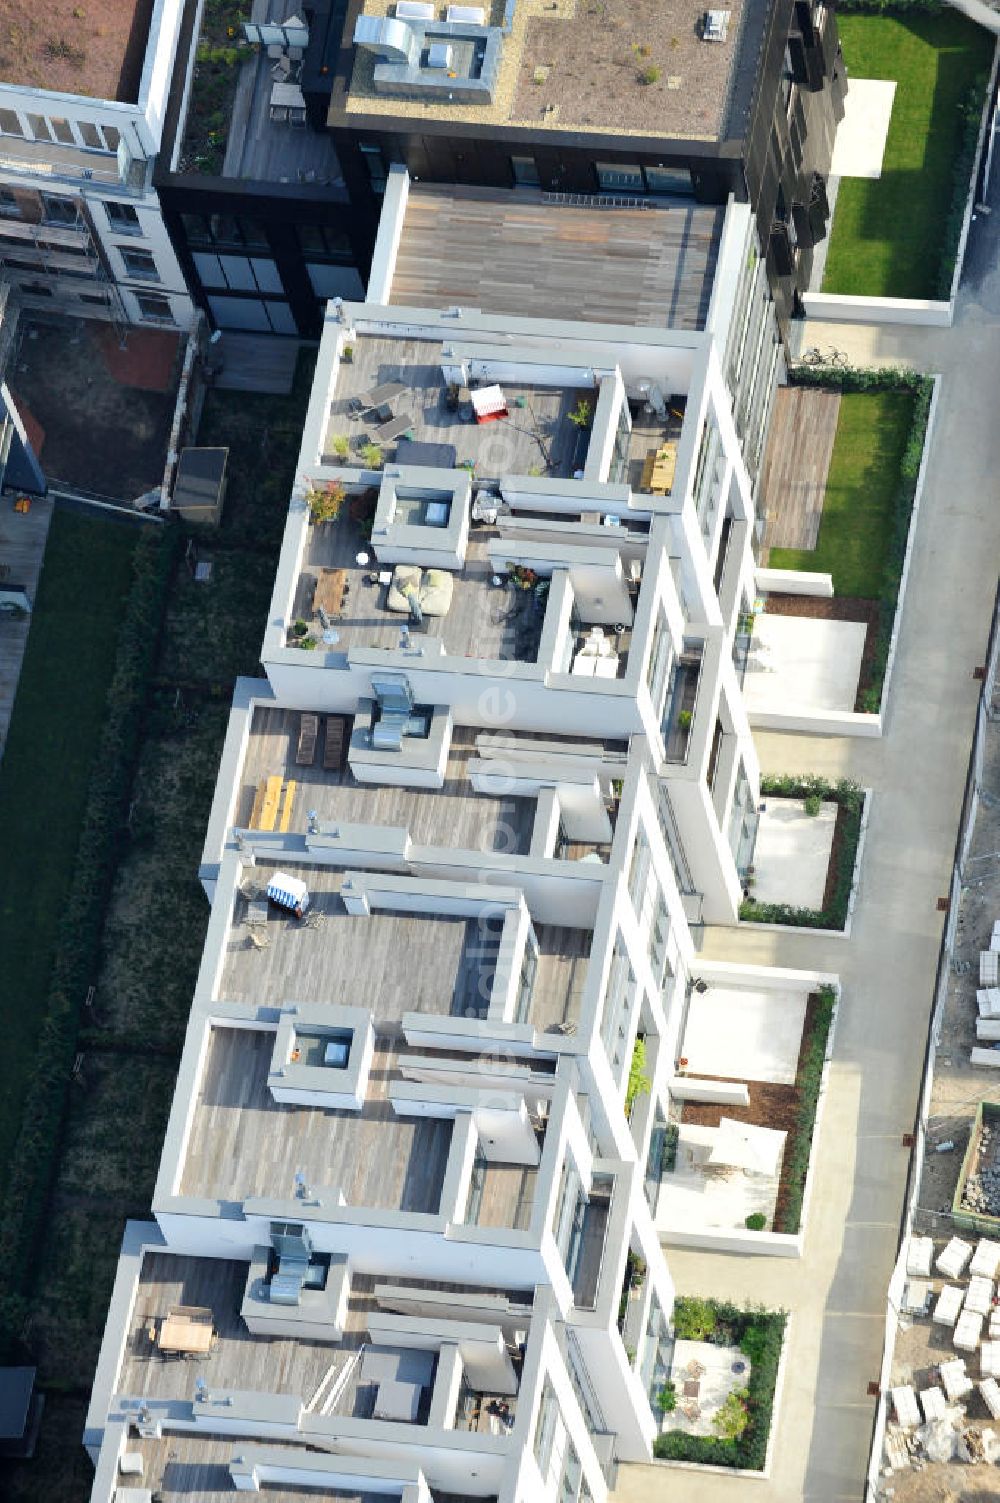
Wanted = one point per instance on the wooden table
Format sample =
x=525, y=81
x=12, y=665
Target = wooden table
x=329, y=592
x=658, y=469
x=186, y=1330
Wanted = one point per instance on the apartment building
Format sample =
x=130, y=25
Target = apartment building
x=668, y=103
x=82, y=101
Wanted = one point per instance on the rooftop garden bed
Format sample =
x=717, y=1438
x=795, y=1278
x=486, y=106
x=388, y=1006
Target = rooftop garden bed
x=744, y=1423
x=220, y=55
x=867, y=506
x=897, y=235
x=785, y=1108
x=815, y=791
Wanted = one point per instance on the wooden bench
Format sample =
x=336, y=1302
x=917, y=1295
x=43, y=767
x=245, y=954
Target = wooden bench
x=305, y=752
x=335, y=746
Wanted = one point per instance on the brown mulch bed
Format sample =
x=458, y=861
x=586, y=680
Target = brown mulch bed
x=839, y=608
x=771, y=1105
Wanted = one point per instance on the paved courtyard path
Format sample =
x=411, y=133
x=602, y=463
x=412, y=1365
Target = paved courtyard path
x=836, y=1293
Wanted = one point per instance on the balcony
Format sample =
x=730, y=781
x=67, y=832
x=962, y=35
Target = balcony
x=586, y=1260
x=682, y=698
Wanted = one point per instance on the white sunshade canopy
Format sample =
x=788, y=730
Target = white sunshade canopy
x=289, y=891
x=743, y=1146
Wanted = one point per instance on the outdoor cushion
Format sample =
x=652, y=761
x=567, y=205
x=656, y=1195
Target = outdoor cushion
x=436, y=591
x=405, y=577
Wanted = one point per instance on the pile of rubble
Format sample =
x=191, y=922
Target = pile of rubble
x=982, y=1188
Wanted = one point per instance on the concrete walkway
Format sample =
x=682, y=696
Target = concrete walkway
x=837, y=1292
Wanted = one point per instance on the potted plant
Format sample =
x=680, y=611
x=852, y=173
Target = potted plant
x=583, y=414
x=666, y=1399
x=347, y=355
x=371, y=456
x=325, y=501
x=756, y=1221
x=341, y=446
x=684, y=720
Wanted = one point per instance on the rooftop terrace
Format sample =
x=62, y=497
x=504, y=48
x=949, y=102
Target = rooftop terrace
x=616, y=68
x=391, y=963
x=230, y=128
x=517, y=253
x=237, y=1360
x=243, y=1143
x=537, y=435
x=180, y=1468
x=454, y=816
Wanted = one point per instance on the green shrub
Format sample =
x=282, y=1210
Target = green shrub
x=756, y=1221
x=799, y=1142
x=971, y=111
x=850, y=797
x=638, y=1081
x=813, y=804
x=650, y=75
x=695, y=1319
x=666, y=1399
x=668, y=1153
x=732, y=1417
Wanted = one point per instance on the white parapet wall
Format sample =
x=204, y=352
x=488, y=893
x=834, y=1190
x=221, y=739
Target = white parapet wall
x=795, y=582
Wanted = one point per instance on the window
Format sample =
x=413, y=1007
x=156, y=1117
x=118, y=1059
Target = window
x=10, y=125
x=627, y=179
x=374, y=161
x=196, y=229
x=123, y=218
x=59, y=210
x=324, y=242
x=619, y=999
x=660, y=662
x=37, y=289
x=8, y=204
x=525, y=171
x=63, y=131
x=139, y=263
x=154, y=308
x=669, y=180
x=101, y=298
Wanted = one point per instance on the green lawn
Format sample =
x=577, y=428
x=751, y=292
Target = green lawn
x=44, y=775
x=888, y=236
x=861, y=489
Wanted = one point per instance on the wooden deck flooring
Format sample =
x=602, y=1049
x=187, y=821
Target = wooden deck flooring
x=243, y=1143
x=391, y=963
x=454, y=816
x=513, y=253
x=237, y=1360
x=484, y=620
x=796, y=464
x=195, y=1468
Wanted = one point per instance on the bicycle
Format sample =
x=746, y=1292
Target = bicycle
x=815, y=356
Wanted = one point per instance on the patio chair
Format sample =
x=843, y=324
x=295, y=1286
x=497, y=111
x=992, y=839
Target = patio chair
x=256, y=940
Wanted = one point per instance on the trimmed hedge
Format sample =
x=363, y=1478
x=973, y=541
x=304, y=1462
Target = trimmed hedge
x=971, y=112
x=76, y=960
x=850, y=797
x=757, y=1332
x=799, y=1144
x=854, y=379
x=891, y=7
